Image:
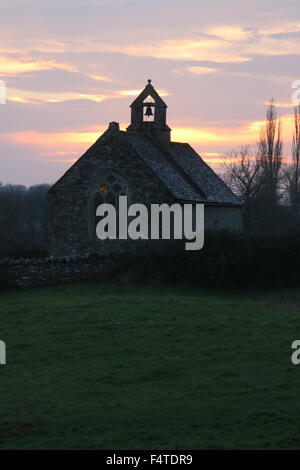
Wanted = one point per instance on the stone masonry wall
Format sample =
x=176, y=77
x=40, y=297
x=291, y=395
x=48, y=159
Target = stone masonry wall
x=47, y=271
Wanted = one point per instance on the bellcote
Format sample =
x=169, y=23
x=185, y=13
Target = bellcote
x=149, y=114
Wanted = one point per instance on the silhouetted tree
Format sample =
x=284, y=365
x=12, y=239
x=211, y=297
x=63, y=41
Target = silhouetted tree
x=291, y=174
x=243, y=176
x=243, y=173
x=270, y=154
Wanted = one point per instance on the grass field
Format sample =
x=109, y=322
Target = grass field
x=104, y=366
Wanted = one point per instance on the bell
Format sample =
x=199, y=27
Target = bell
x=148, y=111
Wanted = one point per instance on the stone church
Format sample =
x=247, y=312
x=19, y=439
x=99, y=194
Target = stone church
x=142, y=163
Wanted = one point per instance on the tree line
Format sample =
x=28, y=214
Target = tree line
x=23, y=220
x=269, y=186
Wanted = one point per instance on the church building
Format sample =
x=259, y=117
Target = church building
x=146, y=166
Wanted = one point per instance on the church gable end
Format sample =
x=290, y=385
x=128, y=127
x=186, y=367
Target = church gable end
x=111, y=167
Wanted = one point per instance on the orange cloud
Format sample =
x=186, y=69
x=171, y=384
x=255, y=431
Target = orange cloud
x=100, y=78
x=281, y=29
x=281, y=104
x=62, y=153
x=19, y=99
x=137, y=92
x=270, y=46
x=30, y=97
x=197, y=70
x=219, y=138
x=181, y=49
x=246, y=134
x=9, y=66
x=230, y=33
x=57, y=160
x=53, y=140
x=34, y=97
x=212, y=154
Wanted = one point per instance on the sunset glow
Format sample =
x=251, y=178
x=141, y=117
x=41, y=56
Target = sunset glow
x=217, y=71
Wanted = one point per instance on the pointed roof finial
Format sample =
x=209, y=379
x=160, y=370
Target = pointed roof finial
x=148, y=91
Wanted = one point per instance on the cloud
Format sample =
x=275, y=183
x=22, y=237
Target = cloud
x=198, y=70
x=62, y=142
x=281, y=29
x=230, y=33
x=246, y=134
x=214, y=50
x=100, y=78
x=270, y=46
x=232, y=44
x=35, y=97
x=280, y=104
x=137, y=92
x=25, y=96
x=12, y=66
x=53, y=140
x=70, y=64
x=19, y=99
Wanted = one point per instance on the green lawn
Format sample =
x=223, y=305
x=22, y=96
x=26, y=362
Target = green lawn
x=104, y=366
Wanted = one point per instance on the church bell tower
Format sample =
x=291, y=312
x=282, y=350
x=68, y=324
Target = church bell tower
x=148, y=116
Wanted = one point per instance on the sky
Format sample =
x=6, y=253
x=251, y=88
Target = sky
x=68, y=68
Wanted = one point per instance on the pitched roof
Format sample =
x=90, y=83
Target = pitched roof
x=162, y=167
x=214, y=188
x=182, y=171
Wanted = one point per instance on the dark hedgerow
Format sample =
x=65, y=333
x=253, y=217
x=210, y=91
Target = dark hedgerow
x=227, y=260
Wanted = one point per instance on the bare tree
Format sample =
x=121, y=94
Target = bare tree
x=243, y=173
x=291, y=174
x=270, y=153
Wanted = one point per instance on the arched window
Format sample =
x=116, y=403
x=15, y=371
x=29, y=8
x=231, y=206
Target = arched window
x=105, y=189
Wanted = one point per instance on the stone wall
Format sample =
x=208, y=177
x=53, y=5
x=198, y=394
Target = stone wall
x=48, y=271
